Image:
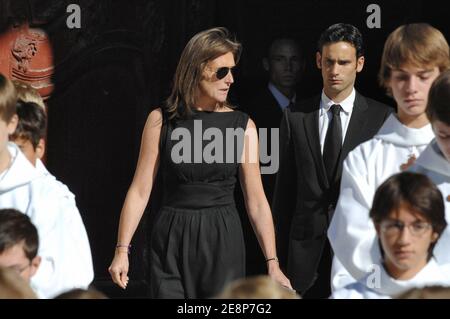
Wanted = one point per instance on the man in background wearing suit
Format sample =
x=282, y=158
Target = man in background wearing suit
x=283, y=63
x=315, y=137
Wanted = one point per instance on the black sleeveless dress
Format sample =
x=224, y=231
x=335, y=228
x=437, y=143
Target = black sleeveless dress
x=197, y=244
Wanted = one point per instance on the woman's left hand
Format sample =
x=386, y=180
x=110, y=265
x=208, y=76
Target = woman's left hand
x=276, y=274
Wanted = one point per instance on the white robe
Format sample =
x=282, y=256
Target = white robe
x=383, y=286
x=433, y=164
x=351, y=232
x=63, y=243
x=63, y=188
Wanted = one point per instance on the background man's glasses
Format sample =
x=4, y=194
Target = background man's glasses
x=394, y=227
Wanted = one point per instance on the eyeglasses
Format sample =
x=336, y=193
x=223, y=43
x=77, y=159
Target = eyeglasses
x=395, y=227
x=223, y=72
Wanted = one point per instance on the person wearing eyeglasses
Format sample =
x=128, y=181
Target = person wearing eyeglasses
x=197, y=243
x=408, y=214
x=413, y=57
x=315, y=137
x=19, y=243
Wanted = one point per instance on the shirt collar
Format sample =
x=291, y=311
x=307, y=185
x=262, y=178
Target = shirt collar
x=282, y=100
x=347, y=104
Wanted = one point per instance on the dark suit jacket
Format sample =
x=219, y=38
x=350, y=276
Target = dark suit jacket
x=264, y=110
x=304, y=197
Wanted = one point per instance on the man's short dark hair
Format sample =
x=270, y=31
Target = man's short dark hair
x=32, y=122
x=15, y=228
x=342, y=32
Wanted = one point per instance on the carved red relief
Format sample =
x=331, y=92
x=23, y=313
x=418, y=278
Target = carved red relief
x=26, y=55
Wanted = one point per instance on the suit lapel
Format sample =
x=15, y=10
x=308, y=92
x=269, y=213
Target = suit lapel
x=355, y=128
x=311, y=124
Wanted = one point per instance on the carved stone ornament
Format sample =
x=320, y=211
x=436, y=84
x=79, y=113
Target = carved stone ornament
x=26, y=55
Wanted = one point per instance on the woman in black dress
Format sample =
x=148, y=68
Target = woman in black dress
x=200, y=143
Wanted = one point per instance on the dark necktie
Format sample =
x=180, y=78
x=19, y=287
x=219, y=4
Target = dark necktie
x=333, y=142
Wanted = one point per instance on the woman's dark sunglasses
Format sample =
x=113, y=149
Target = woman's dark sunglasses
x=223, y=72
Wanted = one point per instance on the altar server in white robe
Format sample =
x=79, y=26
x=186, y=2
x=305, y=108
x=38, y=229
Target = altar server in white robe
x=66, y=262
x=29, y=136
x=64, y=247
x=409, y=216
x=413, y=56
x=435, y=160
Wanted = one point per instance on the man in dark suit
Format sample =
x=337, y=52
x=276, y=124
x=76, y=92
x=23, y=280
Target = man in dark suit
x=283, y=63
x=315, y=137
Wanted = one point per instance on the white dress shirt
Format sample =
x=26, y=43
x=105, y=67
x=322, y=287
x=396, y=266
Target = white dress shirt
x=325, y=115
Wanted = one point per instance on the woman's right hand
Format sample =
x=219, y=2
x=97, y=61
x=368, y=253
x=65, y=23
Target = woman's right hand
x=119, y=269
